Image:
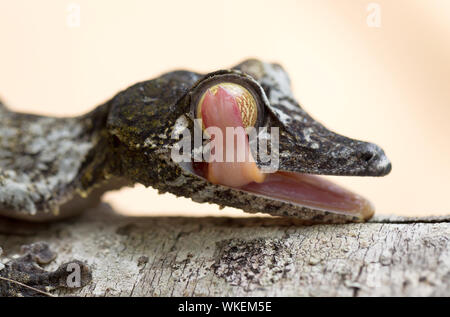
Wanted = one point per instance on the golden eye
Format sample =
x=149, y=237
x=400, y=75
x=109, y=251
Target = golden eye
x=244, y=99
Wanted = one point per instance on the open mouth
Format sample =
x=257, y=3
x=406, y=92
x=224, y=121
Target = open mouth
x=305, y=190
x=311, y=191
x=223, y=107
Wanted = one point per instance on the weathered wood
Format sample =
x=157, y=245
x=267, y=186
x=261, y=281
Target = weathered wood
x=176, y=256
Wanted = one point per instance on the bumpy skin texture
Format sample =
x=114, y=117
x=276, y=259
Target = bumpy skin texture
x=47, y=163
x=26, y=270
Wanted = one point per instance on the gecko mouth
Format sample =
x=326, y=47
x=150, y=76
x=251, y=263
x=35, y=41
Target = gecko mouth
x=220, y=110
x=304, y=190
x=313, y=192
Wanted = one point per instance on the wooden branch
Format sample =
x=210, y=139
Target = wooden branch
x=176, y=256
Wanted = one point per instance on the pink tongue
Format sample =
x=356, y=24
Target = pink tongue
x=221, y=110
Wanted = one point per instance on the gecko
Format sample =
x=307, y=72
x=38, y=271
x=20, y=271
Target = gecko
x=57, y=167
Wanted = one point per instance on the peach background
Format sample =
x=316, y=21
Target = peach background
x=389, y=85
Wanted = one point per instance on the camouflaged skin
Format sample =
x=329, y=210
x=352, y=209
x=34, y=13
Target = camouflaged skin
x=48, y=162
x=27, y=271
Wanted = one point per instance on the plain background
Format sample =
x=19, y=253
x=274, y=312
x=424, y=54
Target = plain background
x=388, y=84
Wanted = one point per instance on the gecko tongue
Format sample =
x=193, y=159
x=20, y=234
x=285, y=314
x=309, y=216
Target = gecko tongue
x=220, y=111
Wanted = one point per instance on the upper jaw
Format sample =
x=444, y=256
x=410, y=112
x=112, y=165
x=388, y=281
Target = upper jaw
x=346, y=157
x=305, y=145
x=309, y=147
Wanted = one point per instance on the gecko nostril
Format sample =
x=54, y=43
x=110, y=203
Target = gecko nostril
x=369, y=153
x=368, y=156
x=374, y=160
x=115, y=141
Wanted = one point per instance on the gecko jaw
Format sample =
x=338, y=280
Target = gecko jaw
x=220, y=110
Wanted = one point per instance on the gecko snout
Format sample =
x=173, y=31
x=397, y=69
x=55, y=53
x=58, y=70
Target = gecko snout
x=377, y=162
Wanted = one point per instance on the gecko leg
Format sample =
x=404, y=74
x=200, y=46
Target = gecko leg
x=24, y=275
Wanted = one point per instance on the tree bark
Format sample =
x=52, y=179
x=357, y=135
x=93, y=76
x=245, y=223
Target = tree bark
x=182, y=256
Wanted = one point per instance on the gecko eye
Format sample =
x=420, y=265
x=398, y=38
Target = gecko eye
x=245, y=102
x=229, y=96
x=226, y=101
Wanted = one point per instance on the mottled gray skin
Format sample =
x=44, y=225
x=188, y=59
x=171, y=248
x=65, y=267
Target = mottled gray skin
x=27, y=270
x=47, y=165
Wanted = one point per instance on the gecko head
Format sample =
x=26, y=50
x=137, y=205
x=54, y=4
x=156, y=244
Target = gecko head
x=257, y=97
x=254, y=100
x=305, y=145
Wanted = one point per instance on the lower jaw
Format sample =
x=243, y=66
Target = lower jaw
x=310, y=191
x=313, y=192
